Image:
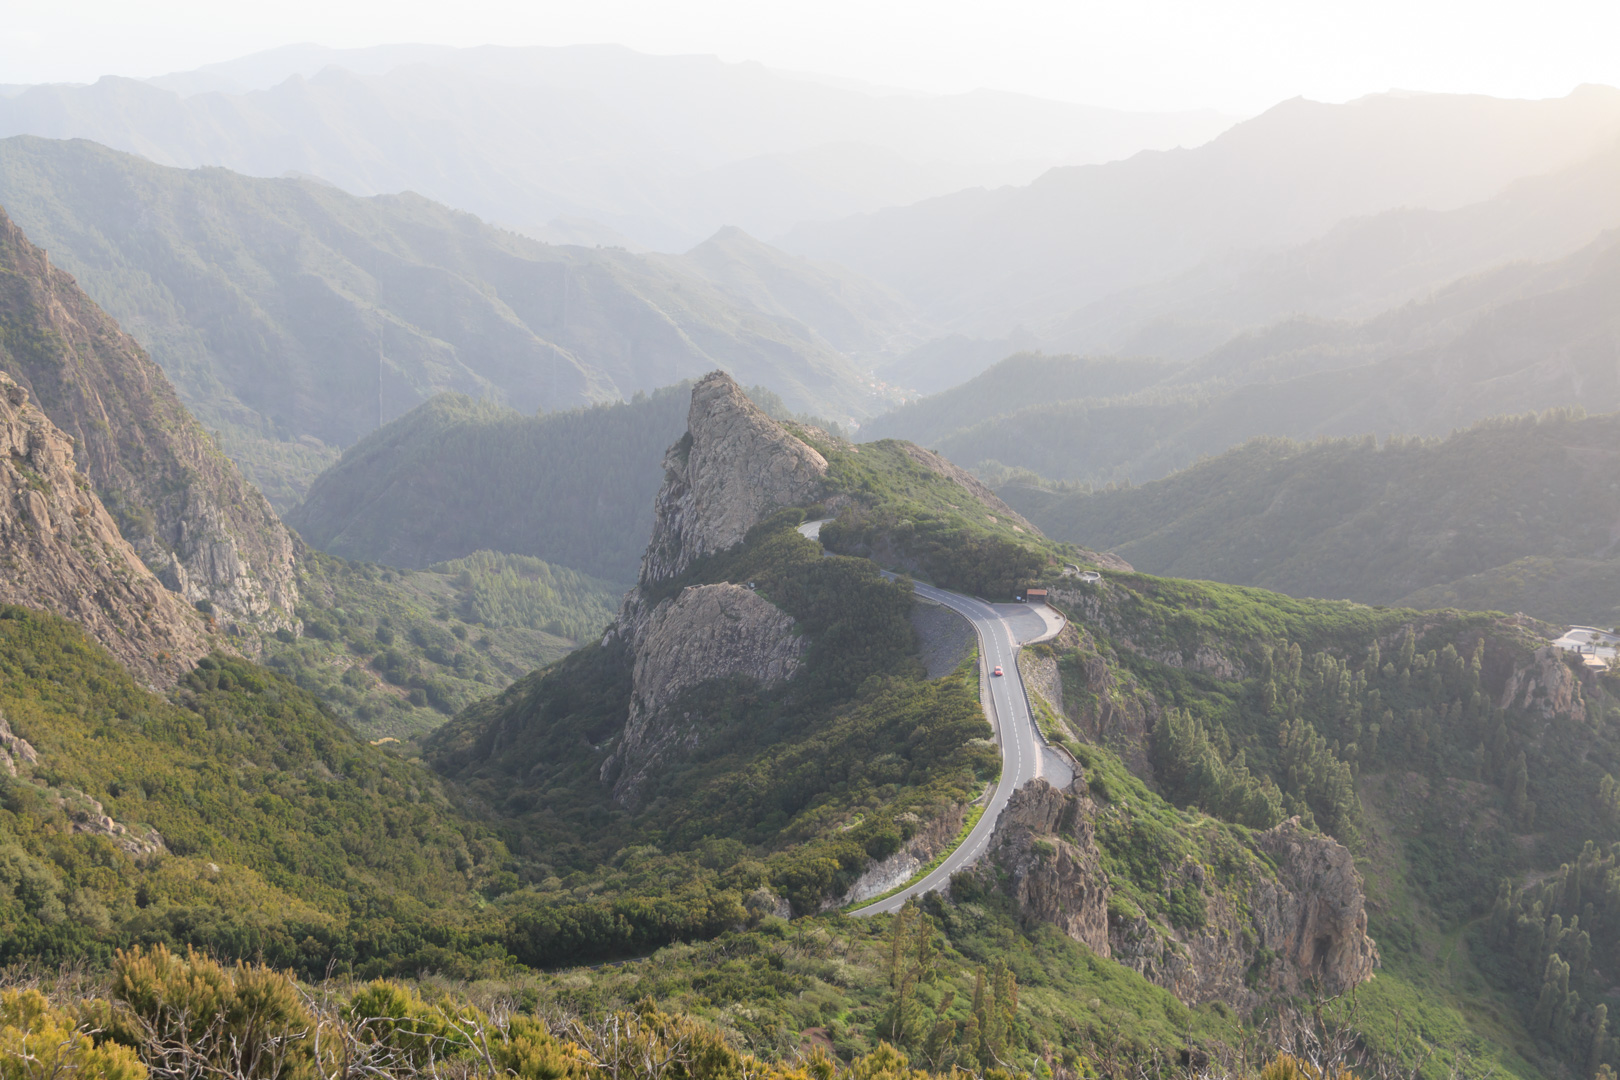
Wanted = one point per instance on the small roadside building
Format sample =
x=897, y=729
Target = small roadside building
x=1035, y=596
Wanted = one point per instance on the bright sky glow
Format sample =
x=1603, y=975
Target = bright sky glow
x=1235, y=55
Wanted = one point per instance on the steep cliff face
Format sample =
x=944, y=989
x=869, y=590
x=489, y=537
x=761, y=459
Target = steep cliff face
x=207, y=534
x=62, y=552
x=1544, y=686
x=706, y=632
x=732, y=468
x=1045, y=843
x=1291, y=919
x=1315, y=919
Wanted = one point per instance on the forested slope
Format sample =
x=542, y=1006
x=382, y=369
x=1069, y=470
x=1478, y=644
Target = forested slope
x=457, y=476
x=1370, y=522
x=294, y=318
x=235, y=814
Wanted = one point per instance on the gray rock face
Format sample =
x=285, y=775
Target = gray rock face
x=1264, y=932
x=207, y=533
x=706, y=632
x=1546, y=686
x=734, y=466
x=932, y=837
x=62, y=551
x=14, y=749
x=1054, y=879
x=1315, y=920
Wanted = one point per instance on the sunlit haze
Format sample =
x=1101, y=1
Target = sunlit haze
x=1159, y=54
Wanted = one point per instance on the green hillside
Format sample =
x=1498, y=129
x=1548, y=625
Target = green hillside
x=1014, y=385
x=1379, y=523
x=457, y=476
x=282, y=833
x=294, y=318
x=394, y=652
x=1199, y=715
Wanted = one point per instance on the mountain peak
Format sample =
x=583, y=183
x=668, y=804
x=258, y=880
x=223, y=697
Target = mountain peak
x=733, y=467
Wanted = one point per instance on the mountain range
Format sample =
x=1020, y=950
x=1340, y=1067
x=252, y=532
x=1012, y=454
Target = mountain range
x=662, y=149
x=985, y=262
x=1522, y=336
x=294, y=318
x=410, y=783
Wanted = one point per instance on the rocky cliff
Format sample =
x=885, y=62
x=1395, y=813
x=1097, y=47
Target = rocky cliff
x=61, y=551
x=705, y=632
x=1045, y=843
x=1285, y=916
x=207, y=534
x=732, y=468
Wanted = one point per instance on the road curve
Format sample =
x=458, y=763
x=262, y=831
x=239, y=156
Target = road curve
x=1006, y=706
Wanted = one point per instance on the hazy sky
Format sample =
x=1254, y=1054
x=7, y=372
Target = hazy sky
x=1235, y=55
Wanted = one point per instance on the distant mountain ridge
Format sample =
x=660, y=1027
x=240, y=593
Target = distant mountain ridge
x=457, y=476
x=987, y=261
x=1524, y=336
x=665, y=149
x=295, y=318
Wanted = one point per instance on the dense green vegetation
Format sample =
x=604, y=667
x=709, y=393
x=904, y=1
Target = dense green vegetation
x=282, y=833
x=903, y=512
x=295, y=318
x=456, y=476
x=792, y=789
x=396, y=651
x=164, y=1012
x=1409, y=518
x=1418, y=740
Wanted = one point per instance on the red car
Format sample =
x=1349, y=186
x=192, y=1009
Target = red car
x=997, y=671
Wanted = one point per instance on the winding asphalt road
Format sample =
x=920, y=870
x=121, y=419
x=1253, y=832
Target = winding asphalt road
x=1002, y=629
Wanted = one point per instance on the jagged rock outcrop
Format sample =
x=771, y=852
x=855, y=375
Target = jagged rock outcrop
x=1292, y=920
x=61, y=551
x=89, y=816
x=1315, y=920
x=1545, y=686
x=706, y=632
x=1044, y=842
x=14, y=749
x=732, y=468
x=207, y=533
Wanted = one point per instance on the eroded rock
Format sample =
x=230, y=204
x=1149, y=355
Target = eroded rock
x=732, y=468
x=706, y=632
x=208, y=534
x=62, y=551
x=1258, y=932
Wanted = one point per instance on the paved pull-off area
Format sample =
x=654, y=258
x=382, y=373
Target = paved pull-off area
x=1002, y=629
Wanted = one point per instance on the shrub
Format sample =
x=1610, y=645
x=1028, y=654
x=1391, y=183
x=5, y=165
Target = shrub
x=40, y=1042
x=245, y=1021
